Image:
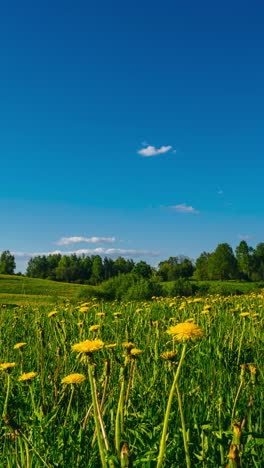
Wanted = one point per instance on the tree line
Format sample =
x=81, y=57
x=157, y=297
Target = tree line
x=245, y=263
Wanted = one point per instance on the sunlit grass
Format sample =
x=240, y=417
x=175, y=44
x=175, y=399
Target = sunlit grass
x=91, y=383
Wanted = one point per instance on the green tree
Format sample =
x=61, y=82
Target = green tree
x=97, y=275
x=122, y=265
x=222, y=264
x=201, y=267
x=244, y=259
x=37, y=267
x=142, y=269
x=175, y=267
x=258, y=262
x=7, y=263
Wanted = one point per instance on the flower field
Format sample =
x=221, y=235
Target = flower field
x=166, y=383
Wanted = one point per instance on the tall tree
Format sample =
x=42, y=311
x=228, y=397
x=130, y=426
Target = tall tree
x=222, y=264
x=142, y=269
x=201, y=266
x=7, y=263
x=97, y=275
x=258, y=262
x=244, y=259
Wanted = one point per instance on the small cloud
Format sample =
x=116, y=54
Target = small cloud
x=183, y=208
x=245, y=237
x=153, y=151
x=88, y=240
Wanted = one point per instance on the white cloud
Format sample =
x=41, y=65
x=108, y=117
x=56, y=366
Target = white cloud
x=183, y=208
x=88, y=240
x=245, y=237
x=96, y=251
x=153, y=151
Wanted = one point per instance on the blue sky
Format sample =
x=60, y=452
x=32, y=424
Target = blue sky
x=135, y=127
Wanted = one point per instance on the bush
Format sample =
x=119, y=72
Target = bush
x=143, y=290
x=130, y=287
x=183, y=287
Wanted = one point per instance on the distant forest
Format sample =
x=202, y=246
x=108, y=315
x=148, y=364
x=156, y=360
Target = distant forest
x=245, y=263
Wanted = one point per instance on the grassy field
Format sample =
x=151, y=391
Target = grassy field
x=133, y=394
x=19, y=290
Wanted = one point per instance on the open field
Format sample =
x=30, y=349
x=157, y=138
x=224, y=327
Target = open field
x=22, y=290
x=133, y=394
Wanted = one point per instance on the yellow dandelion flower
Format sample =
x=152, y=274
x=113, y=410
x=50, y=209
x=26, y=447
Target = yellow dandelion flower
x=128, y=345
x=83, y=309
x=244, y=314
x=111, y=345
x=88, y=346
x=205, y=312
x=80, y=324
x=7, y=366
x=138, y=310
x=52, y=313
x=117, y=314
x=168, y=355
x=185, y=331
x=252, y=369
x=73, y=379
x=155, y=323
x=100, y=314
x=94, y=327
x=27, y=376
x=255, y=315
x=19, y=345
x=135, y=352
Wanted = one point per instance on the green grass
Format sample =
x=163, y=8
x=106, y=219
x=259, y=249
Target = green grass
x=20, y=289
x=46, y=423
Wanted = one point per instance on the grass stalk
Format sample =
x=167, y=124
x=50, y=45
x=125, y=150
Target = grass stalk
x=162, y=446
x=184, y=433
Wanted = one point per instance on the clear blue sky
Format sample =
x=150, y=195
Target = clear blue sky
x=139, y=121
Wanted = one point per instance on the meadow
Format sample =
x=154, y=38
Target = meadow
x=171, y=382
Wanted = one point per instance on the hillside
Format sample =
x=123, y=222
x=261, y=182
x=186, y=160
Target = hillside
x=20, y=289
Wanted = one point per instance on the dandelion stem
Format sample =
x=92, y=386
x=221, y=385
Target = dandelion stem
x=7, y=394
x=96, y=417
x=69, y=406
x=184, y=434
x=167, y=413
x=119, y=422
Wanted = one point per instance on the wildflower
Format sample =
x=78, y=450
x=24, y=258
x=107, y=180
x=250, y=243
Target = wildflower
x=100, y=314
x=185, y=331
x=168, y=355
x=19, y=345
x=88, y=346
x=252, y=369
x=128, y=345
x=138, y=310
x=52, y=313
x=244, y=314
x=27, y=376
x=94, y=327
x=255, y=315
x=117, y=314
x=83, y=309
x=135, y=352
x=73, y=379
x=7, y=366
x=111, y=345
x=80, y=324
